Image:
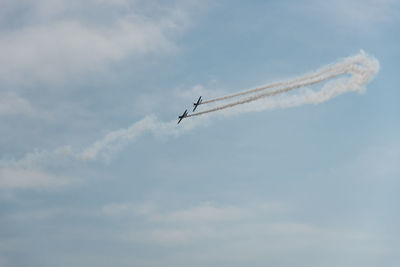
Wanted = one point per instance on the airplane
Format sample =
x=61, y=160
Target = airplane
x=197, y=103
x=184, y=115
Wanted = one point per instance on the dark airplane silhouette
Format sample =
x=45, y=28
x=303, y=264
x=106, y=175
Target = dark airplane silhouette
x=197, y=103
x=184, y=115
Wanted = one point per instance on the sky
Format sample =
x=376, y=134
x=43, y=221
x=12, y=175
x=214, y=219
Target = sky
x=94, y=170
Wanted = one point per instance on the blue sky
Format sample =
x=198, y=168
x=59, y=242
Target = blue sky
x=315, y=185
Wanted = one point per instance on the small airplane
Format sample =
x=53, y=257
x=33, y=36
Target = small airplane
x=197, y=103
x=184, y=115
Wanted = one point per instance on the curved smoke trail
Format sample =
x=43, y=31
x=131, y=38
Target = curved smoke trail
x=271, y=85
x=361, y=67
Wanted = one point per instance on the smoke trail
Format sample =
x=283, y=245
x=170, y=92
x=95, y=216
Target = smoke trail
x=361, y=57
x=271, y=85
x=268, y=94
x=361, y=66
x=358, y=70
x=32, y=169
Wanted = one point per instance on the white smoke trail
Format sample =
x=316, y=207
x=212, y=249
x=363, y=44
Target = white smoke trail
x=361, y=67
x=271, y=85
x=32, y=170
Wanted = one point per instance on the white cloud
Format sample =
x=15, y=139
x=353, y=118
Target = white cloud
x=10, y=103
x=60, y=41
x=118, y=210
x=54, y=52
x=30, y=179
x=33, y=215
x=202, y=212
x=206, y=212
x=186, y=225
x=360, y=14
x=180, y=236
x=233, y=229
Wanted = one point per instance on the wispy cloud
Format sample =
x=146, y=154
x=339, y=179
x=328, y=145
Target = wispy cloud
x=11, y=103
x=30, y=179
x=188, y=224
x=250, y=224
x=33, y=171
x=359, y=14
x=206, y=212
x=61, y=40
x=206, y=231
